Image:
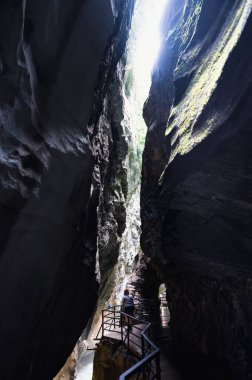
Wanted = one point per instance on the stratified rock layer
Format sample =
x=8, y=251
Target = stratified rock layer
x=50, y=64
x=197, y=178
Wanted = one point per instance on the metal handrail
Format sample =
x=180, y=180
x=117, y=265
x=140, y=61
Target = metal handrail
x=148, y=356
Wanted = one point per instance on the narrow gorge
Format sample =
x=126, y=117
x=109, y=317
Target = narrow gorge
x=125, y=163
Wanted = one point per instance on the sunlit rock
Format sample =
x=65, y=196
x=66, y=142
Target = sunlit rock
x=197, y=176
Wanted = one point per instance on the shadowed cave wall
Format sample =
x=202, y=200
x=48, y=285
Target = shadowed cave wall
x=197, y=177
x=57, y=60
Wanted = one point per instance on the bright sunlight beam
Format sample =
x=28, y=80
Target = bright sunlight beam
x=148, y=40
x=142, y=51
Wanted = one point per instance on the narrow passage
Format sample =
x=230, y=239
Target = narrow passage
x=142, y=50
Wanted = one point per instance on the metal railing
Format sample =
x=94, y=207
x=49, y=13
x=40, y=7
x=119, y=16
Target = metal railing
x=136, y=336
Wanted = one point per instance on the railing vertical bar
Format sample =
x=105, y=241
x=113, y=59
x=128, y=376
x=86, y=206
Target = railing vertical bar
x=128, y=334
x=143, y=355
x=158, y=369
x=102, y=323
x=121, y=322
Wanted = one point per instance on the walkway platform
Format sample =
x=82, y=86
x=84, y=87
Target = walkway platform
x=135, y=338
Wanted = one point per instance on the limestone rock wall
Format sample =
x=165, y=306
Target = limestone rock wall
x=197, y=177
x=119, y=200
x=112, y=174
x=50, y=156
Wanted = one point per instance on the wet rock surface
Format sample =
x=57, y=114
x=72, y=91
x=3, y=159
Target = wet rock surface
x=197, y=177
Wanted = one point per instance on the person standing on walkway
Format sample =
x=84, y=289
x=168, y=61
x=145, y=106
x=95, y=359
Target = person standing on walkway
x=128, y=304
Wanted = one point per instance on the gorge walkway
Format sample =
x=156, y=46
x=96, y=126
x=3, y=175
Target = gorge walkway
x=135, y=335
x=115, y=328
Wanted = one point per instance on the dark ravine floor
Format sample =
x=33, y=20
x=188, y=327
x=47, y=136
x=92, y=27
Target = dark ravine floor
x=187, y=365
x=169, y=371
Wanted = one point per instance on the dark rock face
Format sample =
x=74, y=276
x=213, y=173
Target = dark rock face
x=143, y=274
x=113, y=177
x=197, y=178
x=50, y=54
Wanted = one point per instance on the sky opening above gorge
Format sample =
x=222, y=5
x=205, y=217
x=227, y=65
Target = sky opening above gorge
x=142, y=51
x=148, y=40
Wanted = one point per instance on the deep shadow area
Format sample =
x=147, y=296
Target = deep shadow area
x=182, y=361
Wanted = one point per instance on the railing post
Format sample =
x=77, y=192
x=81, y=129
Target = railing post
x=114, y=317
x=143, y=354
x=102, y=323
x=158, y=370
x=121, y=323
x=128, y=334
